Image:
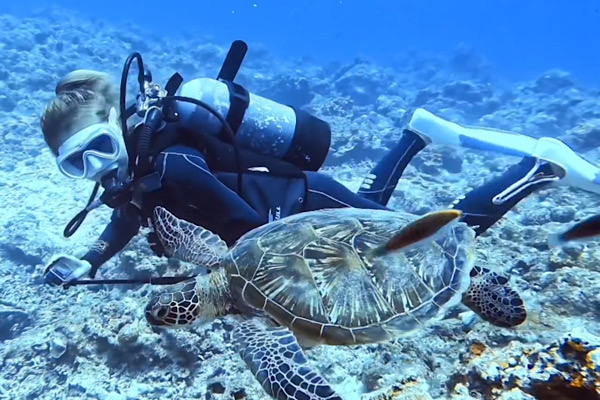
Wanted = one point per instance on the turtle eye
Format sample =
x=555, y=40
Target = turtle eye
x=161, y=312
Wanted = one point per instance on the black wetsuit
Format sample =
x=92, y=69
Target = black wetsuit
x=192, y=191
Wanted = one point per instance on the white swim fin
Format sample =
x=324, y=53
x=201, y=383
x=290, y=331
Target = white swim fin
x=436, y=130
x=579, y=172
x=573, y=170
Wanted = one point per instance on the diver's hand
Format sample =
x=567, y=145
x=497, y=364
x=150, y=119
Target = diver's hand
x=64, y=269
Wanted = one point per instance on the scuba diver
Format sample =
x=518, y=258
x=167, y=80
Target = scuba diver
x=182, y=155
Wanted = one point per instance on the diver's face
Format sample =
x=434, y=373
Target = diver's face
x=94, y=152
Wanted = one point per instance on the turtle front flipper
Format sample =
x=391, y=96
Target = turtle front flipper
x=492, y=298
x=186, y=241
x=279, y=364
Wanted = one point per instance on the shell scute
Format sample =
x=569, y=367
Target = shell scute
x=288, y=281
x=295, y=235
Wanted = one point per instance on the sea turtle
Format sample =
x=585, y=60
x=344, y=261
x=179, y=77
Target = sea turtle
x=320, y=277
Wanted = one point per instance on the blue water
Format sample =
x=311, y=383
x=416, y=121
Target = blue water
x=521, y=39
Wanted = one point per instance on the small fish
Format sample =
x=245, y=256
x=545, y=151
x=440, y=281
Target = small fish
x=418, y=230
x=588, y=228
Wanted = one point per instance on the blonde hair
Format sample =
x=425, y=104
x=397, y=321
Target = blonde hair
x=83, y=98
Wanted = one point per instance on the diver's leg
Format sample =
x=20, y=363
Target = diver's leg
x=577, y=171
x=437, y=130
x=424, y=128
x=380, y=183
x=326, y=192
x=485, y=205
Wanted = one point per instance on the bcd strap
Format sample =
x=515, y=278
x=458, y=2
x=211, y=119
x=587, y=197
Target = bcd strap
x=173, y=84
x=233, y=61
x=239, y=99
x=220, y=158
x=238, y=96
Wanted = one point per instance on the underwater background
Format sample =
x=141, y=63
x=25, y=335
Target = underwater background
x=526, y=66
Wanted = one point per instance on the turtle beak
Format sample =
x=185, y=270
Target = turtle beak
x=155, y=314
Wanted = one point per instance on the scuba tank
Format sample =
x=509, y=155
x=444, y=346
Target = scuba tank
x=267, y=128
x=219, y=108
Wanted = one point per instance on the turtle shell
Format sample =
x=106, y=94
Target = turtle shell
x=312, y=273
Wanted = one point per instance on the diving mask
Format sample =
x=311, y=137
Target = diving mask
x=94, y=151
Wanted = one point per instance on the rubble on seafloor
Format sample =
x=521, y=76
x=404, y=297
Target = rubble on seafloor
x=568, y=369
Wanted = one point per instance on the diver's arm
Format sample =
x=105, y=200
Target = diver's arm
x=124, y=225
x=186, y=173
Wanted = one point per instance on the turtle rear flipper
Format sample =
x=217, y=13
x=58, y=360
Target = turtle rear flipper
x=279, y=364
x=186, y=241
x=492, y=298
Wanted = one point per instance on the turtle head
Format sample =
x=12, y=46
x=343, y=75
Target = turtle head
x=178, y=305
x=197, y=300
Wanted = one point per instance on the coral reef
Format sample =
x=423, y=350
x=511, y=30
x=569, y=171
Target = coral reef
x=93, y=342
x=566, y=369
